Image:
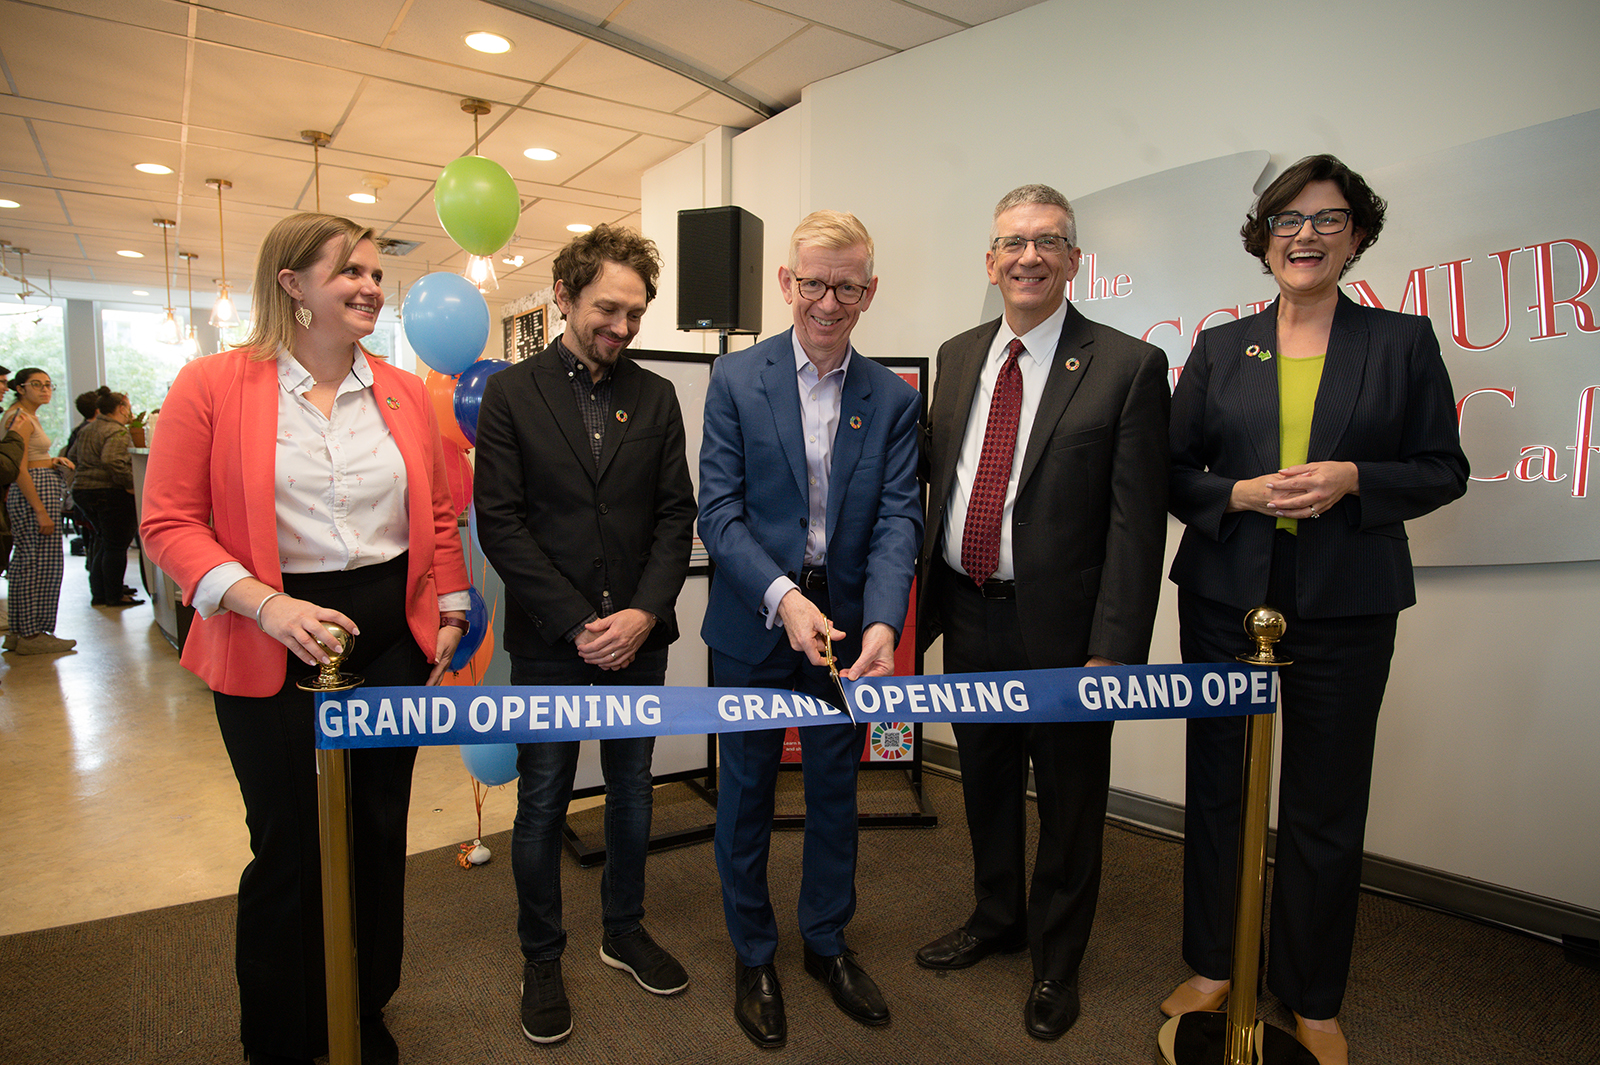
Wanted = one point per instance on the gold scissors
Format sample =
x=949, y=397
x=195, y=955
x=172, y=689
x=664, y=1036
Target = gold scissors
x=832, y=661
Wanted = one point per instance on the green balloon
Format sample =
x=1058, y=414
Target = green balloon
x=477, y=203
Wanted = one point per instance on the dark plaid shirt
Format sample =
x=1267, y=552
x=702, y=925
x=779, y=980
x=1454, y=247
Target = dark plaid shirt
x=594, y=404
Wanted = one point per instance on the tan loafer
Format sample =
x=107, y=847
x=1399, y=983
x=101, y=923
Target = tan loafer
x=1329, y=1048
x=1187, y=999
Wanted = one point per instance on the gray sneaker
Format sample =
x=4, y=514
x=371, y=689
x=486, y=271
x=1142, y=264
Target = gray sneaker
x=43, y=644
x=653, y=968
x=546, y=1014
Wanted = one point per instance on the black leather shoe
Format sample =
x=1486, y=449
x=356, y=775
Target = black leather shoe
x=852, y=989
x=961, y=948
x=1052, y=1007
x=758, y=1005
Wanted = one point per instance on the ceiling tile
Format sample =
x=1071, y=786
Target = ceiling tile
x=581, y=144
x=598, y=70
x=367, y=22
x=887, y=22
x=707, y=36
x=433, y=29
x=816, y=54
x=620, y=173
x=46, y=51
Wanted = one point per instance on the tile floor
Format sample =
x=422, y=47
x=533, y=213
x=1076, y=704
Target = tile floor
x=115, y=791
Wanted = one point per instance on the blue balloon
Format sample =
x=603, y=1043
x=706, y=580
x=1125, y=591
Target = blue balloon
x=491, y=763
x=477, y=629
x=447, y=322
x=469, y=394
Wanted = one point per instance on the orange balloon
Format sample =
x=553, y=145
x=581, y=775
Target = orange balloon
x=442, y=391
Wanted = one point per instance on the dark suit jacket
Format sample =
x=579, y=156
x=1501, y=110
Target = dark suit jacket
x=557, y=531
x=1089, y=527
x=1384, y=403
x=753, y=496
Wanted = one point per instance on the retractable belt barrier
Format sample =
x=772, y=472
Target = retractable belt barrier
x=427, y=717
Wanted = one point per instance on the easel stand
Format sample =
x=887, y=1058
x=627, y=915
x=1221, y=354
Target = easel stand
x=1237, y=1037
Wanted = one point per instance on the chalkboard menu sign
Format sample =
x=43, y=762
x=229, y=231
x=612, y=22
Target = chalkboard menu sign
x=525, y=335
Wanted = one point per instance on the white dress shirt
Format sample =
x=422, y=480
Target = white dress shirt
x=339, y=487
x=819, y=421
x=1039, y=345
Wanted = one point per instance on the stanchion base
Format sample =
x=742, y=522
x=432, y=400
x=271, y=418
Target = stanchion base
x=1202, y=1039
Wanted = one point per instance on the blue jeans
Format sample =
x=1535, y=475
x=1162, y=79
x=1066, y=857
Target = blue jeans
x=544, y=790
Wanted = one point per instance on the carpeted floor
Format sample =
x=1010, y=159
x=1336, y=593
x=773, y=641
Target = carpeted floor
x=157, y=987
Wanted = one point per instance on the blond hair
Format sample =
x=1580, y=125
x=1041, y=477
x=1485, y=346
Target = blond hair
x=293, y=244
x=829, y=229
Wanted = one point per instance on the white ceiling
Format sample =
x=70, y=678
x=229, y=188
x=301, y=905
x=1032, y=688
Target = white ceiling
x=223, y=89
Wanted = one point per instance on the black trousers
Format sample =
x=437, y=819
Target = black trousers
x=1072, y=774
x=1331, y=697
x=278, y=959
x=110, y=513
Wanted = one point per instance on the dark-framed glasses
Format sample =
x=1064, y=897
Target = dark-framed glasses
x=1328, y=222
x=1047, y=244
x=813, y=289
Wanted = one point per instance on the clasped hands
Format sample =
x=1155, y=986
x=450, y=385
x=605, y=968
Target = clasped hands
x=1305, y=491
x=810, y=633
x=612, y=641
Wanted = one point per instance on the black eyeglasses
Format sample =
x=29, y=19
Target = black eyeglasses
x=1049, y=244
x=1328, y=222
x=813, y=289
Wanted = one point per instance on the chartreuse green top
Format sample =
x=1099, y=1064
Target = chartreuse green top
x=1297, y=398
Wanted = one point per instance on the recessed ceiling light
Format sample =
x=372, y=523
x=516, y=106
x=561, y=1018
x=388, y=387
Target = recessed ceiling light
x=126, y=254
x=543, y=155
x=363, y=197
x=152, y=168
x=483, y=41
x=9, y=203
x=579, y=227
x=139, y=292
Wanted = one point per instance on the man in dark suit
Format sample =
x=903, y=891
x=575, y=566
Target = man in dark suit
x=1047, y=505
x=586, y=510
x=809, y=508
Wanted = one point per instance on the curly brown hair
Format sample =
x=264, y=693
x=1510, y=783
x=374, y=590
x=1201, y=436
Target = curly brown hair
x=1366, y=207
x=580, y=262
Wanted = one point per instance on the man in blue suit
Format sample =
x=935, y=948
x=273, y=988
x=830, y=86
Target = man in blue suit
x=809, y=508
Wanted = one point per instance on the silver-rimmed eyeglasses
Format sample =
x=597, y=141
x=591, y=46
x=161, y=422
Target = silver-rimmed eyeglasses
x=1328, y=222
x=1046, y=244
x=813, y=289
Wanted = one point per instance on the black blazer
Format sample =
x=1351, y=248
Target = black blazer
x=1089, y=528
x=1384, y=403
x=559, y=533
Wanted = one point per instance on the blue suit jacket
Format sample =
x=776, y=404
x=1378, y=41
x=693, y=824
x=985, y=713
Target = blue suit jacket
x=753, y=508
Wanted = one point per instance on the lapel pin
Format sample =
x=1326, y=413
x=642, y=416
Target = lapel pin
x=855, y=423
x=1073, y=364
x=1256, y=352
x=622, y=416
x=394, y=404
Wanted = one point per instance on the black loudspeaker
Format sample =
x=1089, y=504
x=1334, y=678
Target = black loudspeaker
x=719, y=270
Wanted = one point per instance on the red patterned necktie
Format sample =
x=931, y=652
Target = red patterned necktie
x=980, y=541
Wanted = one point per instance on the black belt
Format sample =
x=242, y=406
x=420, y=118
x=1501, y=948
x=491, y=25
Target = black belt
x=813, y=579
x=989, y=589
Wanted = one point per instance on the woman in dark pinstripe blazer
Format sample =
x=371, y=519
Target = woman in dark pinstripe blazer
x=1302, y=439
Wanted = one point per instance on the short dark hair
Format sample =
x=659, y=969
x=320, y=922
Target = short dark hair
x=580, y=262
x=1366, y=207
x=88, y=402
x=110, y=401
x=5, y=371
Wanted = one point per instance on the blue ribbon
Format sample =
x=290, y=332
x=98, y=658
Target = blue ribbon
x=430, y=717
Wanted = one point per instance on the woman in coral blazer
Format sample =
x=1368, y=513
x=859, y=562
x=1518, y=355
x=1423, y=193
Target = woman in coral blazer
x=295, y=481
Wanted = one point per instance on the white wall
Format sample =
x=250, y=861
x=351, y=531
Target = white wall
x=1487, y=744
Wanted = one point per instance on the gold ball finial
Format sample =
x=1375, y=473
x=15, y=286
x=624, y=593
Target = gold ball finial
x=1265, y=626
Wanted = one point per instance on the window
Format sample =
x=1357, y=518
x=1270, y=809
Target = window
x=32, y=335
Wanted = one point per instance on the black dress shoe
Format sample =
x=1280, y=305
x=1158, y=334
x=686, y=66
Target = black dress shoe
x=1052, y=1007
x=758, y=1005
x=852, y=989
x=961, y=948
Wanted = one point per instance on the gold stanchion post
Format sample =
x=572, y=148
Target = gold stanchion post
x=1237, y=1037
x=338, y=899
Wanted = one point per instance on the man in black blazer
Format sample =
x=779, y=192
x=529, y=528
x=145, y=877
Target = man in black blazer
x=586, y=511
x=1047, y=457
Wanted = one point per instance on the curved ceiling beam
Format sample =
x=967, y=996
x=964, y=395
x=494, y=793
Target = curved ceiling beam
x=603, y=36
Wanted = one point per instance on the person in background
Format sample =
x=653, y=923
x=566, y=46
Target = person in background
x=1302, y=438
x=103, y=490
x=8, y=476
x=586, y=511
x=1047, y=524
x=33, y=506
x=299, y=481
x=809, y=509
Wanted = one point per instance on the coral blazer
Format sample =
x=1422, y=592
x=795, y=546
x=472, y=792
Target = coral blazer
x=209, y=499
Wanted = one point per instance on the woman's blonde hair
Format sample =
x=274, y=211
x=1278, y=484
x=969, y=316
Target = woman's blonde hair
x=293, y=244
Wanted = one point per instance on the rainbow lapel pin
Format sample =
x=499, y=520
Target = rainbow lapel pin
x=1073, y=364
x=1256, y=352
x=622, y=416
x=393, y=404
x=855, y=422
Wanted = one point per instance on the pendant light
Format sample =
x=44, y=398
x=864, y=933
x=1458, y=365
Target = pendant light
x=318, y=140
x=168, y=332
x=191, y=343
x=222, y=312
x=480, y=268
